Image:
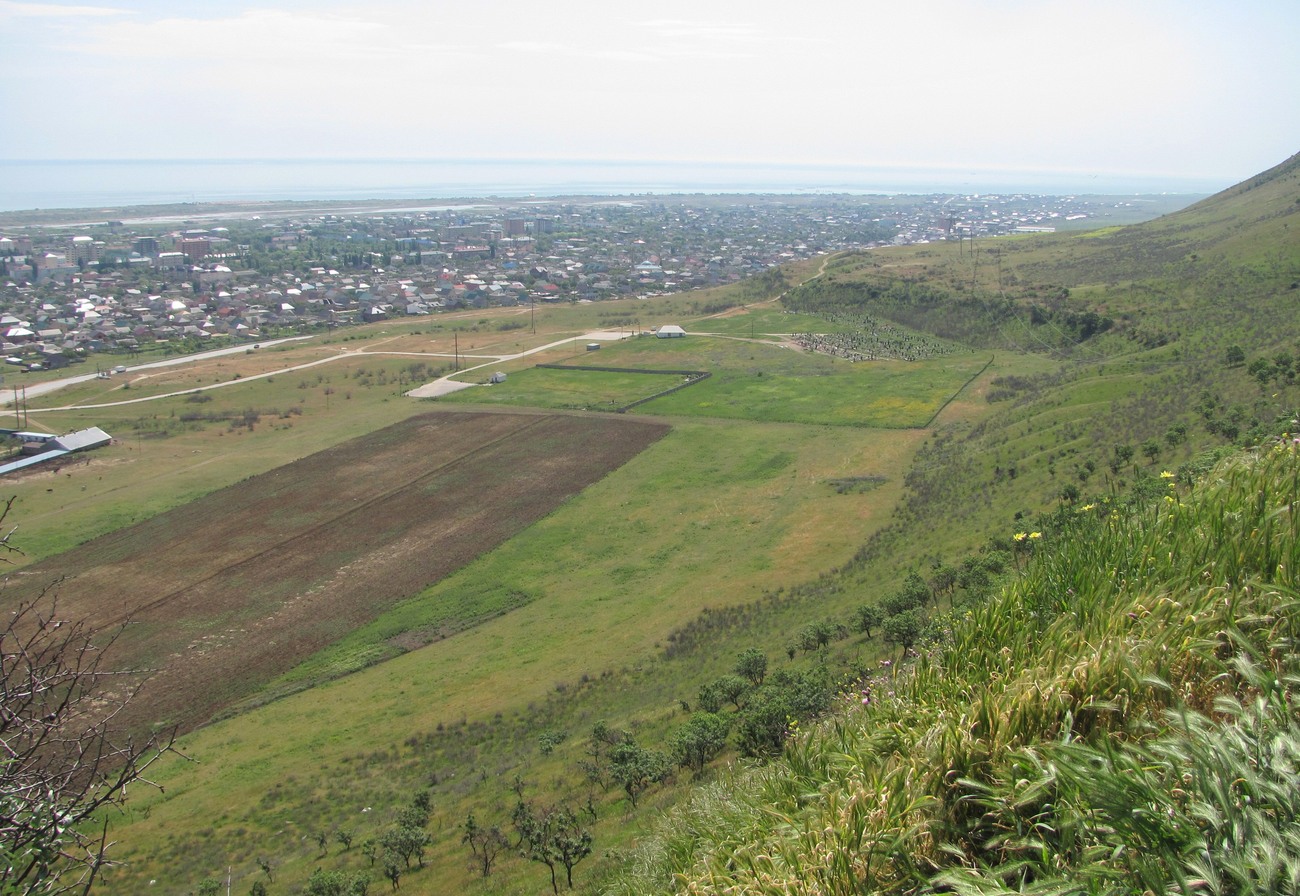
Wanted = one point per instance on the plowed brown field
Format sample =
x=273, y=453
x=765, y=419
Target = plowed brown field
x=227, y=592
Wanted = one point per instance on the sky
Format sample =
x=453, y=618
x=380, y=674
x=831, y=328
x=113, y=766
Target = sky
x=1179, y=88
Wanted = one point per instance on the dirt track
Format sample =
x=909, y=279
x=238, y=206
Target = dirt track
x=236, y=588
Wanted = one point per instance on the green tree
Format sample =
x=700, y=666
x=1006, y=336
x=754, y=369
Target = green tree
x=732, y=688
x=814, y=636
x=1234, y=355
x=637, y=769
x=337, y=883
x=406, y=843
x=209, y=886
x=709, y=699
x=485, y=844
x=867, y=617
x=1262, y=370
x=903, y=629
x=553, y=836
x=392, y=871
x=752, y=665
x=1121, y=455
x=943, y=579
x=699, y=740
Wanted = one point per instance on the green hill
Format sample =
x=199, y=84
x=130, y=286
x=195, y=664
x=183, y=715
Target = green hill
x=631, y=616
x=1117, y=717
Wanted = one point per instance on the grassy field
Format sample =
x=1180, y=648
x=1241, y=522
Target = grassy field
x=569, y=620
x=709, y=516
x=248, y=581
x=751, y=380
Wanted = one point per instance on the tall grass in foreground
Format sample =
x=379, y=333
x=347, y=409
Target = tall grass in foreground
x=1119, y=719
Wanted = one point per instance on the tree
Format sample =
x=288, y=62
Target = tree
x=1151, y=449
x=63, y=760
x=752, y=665
x=702, y=737
x=485, y=844
x=944, y=579
x=709, y=699
x=1234, y=355
x=903, y=629
x=814, y=636
x=552, y=836
x=1122, y=455
x=603, y=738
x=765, y=724
x=636, y=768
x=337, y=883
x=732, y=688
x=406, y=843
x=209, y=886
x=867, y=617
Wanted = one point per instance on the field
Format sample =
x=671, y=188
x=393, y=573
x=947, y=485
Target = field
x=237, y=587
x=474, y=615
x=750, y=380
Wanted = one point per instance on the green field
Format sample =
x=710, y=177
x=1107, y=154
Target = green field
x=750, y=380
x=581, y=390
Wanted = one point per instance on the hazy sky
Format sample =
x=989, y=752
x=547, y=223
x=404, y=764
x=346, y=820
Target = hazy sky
x=1162, y=87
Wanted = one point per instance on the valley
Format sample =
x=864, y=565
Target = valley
x=595, y=571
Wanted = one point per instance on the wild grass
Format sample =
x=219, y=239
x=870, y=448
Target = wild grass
x=1101, y=725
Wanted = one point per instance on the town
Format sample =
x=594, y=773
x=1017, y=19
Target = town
x=180, y=284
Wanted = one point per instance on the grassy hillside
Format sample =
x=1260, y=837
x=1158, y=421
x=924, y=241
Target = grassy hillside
x=1097, y=724
x=1118, y=718
x=769, y=531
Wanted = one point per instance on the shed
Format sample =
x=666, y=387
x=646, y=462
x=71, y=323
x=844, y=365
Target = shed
x=670, y=331
x=497, y=377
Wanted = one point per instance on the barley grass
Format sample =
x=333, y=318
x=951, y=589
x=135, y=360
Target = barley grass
x=1118, y=719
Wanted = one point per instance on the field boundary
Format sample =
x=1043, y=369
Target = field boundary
x=964, y=386
x=694, y=376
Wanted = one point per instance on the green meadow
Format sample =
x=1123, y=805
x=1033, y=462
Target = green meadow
x=749, y=380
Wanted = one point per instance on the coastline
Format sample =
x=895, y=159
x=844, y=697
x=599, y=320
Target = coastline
x=92, y=191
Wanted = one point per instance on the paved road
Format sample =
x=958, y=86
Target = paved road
x=442, y=386
x=36, y=390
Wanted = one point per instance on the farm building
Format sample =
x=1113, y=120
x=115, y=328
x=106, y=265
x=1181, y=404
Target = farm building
x=42, y=447
x=670, y=331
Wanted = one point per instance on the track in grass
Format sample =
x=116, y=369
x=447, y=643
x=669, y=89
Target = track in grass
x=233, y=589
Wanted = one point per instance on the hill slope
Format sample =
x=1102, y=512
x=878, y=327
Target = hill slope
x=1118, y=718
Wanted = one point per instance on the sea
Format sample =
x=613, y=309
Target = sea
x=93, y=183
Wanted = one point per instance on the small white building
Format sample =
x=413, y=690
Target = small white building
x=670, y=331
